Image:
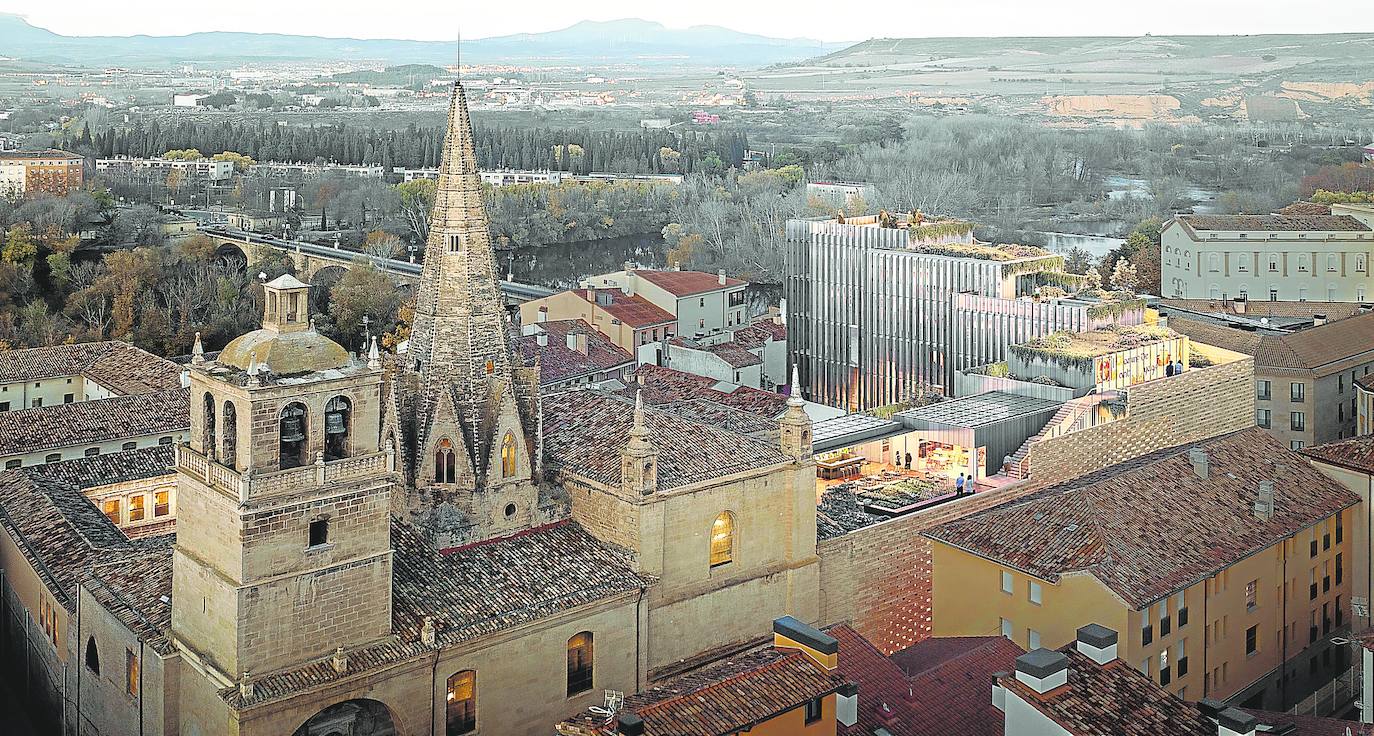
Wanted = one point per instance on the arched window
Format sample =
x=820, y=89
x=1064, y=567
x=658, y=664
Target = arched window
x=291, y=436
x=92, y=656
x=1273, y=263
x=1359, y=263
x=207, y=437
x=230, y=441
x=1332, y=261
x=508, y=456
x=1214, y=291
x=723, y=539
x=1213, y=261
x=579, y=663
x=461, y=708
x=445, y=464
x=338, y=417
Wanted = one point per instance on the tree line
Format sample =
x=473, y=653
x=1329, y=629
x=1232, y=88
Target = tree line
x=576, y=150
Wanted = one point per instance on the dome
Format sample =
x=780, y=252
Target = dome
x=285, y=353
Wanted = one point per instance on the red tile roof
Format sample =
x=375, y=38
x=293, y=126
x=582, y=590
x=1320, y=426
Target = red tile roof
x=118, y=366
x=754, y=336
x=558, y=362
x=1311, y=725
x=1356, y=453
x=727, y=697
x=1252, y=223
x=733, y=355
x=93, y=422
x=688, y=283
x=1121, y=524
x=1264, y=308
x=667, y=386
x=1308, y=349
x=635, y=311
x=951, y=683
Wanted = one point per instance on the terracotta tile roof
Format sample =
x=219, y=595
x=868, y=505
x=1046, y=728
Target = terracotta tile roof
x=666, y=386
x=118, y=366
x=91, y=422
x=46, y=153
x=1122, y=525
x=635, y=311
x=585, y=432
x=1257, y=309
x=755, y=335
x=1366, y=382
x=1112, y=700
x=950, y=681
x=113, y=467
x=59, y=531
x=1305, y=208
x=1307, y=349
x=471, y=592
x=138, y=590
x=558, y=362
x=688, y=283
x=727, y=697
x=1272, y=223
x=1356, y=453
x=725, y=417
x=884, y=693
x=1311, y=725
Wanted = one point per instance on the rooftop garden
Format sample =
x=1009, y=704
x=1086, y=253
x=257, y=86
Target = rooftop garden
x=989, y=252
x=1082, y=346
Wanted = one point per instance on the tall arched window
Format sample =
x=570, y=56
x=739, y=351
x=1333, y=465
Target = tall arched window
x=338, y=418
x=723, y=539
x=461, y=708
x=207, y=417
x=579, y=663
x=92, y=656
x=445, y=464
x=291, y=436
x=230, y=441
x=1213, y=261
x=1332, y=262
x=508, y=456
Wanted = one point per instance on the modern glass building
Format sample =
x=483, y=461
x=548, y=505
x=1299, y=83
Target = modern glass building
x=876, y=314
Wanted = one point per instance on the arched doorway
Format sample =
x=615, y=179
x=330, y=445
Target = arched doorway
x=361, y=717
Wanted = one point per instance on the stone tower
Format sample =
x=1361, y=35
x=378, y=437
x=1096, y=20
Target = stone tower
x=283, y=550
x=639, y=459
x=795, y=425
x=469, y=407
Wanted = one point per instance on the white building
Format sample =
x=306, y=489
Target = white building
x=192, y=100
x=1273, y=257
x=199, y=169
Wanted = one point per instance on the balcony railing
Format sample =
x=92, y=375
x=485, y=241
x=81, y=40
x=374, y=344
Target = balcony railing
x=250, y=486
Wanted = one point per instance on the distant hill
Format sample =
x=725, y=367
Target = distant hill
x=629, y=40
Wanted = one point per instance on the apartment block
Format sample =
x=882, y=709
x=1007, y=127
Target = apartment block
x=1238, y=599
x=52, y=171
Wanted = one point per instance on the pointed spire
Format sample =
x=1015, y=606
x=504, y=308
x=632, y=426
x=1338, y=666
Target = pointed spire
x=795, y=397
x=374, y=358
x=197, y=352
x=639, y=444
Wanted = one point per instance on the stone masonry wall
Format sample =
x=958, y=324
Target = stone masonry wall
x=1167, y=412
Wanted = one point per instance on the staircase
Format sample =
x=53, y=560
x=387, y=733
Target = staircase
x=1063, y=422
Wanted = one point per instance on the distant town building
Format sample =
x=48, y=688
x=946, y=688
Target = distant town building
x=1305, y=380
x=629, y=320
x=300, y=171
x=256, y=222
x=703, y=303
x=701, y=117
x=52, y=171
x=508, y=177
x=655, y=123
x=1274, y=257
x=158, y=169
x=877, y=314
x=842, y=194
x=187, y=100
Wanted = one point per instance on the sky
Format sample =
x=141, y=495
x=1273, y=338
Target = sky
x=828, y=21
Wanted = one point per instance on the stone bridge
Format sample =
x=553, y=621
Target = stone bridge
x=314, y=261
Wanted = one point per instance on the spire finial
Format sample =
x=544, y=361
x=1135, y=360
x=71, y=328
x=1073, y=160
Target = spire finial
x=639, y=433
x=374, y=358
x=253, y=379
x=197, y=352
x=795, y=398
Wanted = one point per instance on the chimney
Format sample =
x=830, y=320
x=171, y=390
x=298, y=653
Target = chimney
x=1163, y=319
x=543, y=314
x=1198, y=457
x=1098, y=643
x=542, y=339
x=721, y=277
x=1264, y=502
x=629, y=724
x=847, y=704
x=1042, y=670
x=1318, y=320
x=999, y=693
x=1238, y=304
x=822, y=648
x=1235, y=722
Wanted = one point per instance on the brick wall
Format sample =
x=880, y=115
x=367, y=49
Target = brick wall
x=878, y=578
x=1167, y=412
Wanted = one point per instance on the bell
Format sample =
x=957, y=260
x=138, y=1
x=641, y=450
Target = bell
x=291, y=429
x=334, y=423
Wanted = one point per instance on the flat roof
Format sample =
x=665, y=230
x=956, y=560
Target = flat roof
x=828, y=434
x=979, y=410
